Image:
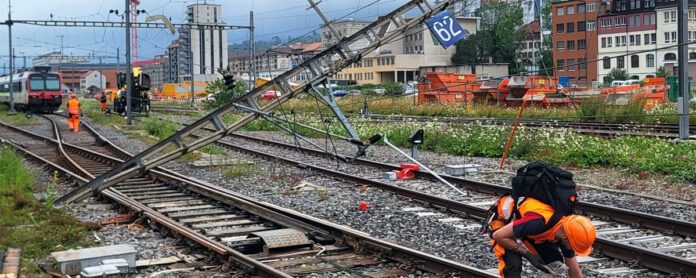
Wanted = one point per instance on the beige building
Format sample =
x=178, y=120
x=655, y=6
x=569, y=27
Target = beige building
x=344, y=27
x=401, y=60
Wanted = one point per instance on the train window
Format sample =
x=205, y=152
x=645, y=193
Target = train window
x=16, y=87
x=52, y=82
x=36, y=83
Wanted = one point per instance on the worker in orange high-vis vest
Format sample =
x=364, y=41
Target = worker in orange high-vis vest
x=547, y=246
x=74, y=113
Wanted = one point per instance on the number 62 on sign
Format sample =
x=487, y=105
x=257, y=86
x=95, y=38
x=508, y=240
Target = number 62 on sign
x=446, y=29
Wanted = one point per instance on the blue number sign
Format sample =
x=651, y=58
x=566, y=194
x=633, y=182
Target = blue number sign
x=446, y=29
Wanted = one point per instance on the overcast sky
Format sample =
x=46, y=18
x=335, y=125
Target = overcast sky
x=272, y=17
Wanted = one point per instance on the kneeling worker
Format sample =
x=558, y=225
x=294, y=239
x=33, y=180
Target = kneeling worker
x=74, y=113
x=534, y=236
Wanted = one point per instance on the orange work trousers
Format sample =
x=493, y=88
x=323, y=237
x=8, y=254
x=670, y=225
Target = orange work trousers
x=103, y=106
x=73, y=122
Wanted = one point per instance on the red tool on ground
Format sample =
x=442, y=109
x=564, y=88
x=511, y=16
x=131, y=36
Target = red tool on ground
x=408, y=171
x=363, y=206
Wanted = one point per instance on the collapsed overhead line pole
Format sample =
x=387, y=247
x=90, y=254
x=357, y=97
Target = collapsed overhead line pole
x=318, y=69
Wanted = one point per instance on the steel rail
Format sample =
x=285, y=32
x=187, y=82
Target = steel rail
x=654, y=260
x=665, y=224
x=85, y=176
x=421, y=260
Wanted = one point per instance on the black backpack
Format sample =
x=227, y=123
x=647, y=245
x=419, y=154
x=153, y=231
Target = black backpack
x=549, y=184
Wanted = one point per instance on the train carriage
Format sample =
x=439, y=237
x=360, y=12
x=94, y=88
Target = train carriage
x=37, y=90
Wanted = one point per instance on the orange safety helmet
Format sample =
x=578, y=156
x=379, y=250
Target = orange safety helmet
x=581, y=234
x=73, y=95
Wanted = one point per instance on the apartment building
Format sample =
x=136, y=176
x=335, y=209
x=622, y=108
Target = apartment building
x=627, y=34
x=273, y=62
x=401, y=60
x=574, y=38
x=666, y=54
x=345, y=27
x=208, y=45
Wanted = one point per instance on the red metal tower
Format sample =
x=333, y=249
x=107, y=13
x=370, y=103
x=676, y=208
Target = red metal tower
x=134, y=31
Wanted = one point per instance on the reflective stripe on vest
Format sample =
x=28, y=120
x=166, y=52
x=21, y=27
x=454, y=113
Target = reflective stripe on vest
x=505, y=207
x=74, y=107
x=546, y=211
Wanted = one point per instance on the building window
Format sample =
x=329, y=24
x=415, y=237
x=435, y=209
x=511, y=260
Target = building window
x=570, y=45
x=560, y=64
x=582, y=64
x=631, y=21
x=560, y=11
x=570, y=27
x=692, y=36
x=571, y=64
x=623, y=41
x=606, y=62
x=591, y=26
x=692, y=15
x=649, y=3
x=635, y=61
x=560, y=28
x=581, y=8
x=582, y=44
x=621, y=5
x=631, y=40
x=570, y=10
x=581, y=26
x=670, y=16
x=692, y=56
x=646, y=40
x=609, y=42
x=653, y=38
x=670, y=56
x=620, y=21
x=604, y=42
x=635, y=4
x=560, y=45
x=620, y=62
x=590, y=7
x=650, y=60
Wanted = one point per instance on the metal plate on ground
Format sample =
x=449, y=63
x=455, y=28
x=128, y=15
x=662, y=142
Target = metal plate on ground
x=282, y=238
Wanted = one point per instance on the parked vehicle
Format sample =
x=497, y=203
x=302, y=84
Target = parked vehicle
x=340, y=93
x=269, y=95
x=354, y=92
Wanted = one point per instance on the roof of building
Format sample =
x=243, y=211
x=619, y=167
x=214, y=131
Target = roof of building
x=87, y=73
x=532, y=27
x=145, y=62
x=306, y=47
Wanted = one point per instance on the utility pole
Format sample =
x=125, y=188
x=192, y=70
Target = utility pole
x=101, y=77
x=252, y=62
x=684, y=86
x=193, y=88
x=129, y=70
x=118, y=60
x=9, y=30
x=60, y=60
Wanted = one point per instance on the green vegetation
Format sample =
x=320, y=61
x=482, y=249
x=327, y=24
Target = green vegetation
x=158, y=127
x=635, y=154
x=240, y=170
x=616, y=74
x=498, y=37
x=26, y=223
x=222, y=94
x=19, y=119
x=90, y=108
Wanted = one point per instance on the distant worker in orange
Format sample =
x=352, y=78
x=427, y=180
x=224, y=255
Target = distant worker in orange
x=74, y=113
x=102, y=100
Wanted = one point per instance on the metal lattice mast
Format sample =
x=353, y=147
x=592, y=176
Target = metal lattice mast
x=317, y=69
x=134, y=31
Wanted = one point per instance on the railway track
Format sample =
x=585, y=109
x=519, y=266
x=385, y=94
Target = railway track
x=666, y=131
x=623, y=234
x=263, y=239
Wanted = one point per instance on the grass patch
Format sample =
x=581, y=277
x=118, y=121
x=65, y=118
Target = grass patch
x=158, y=127
x=26, y=223
x=240, y=170
x=19, y=119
